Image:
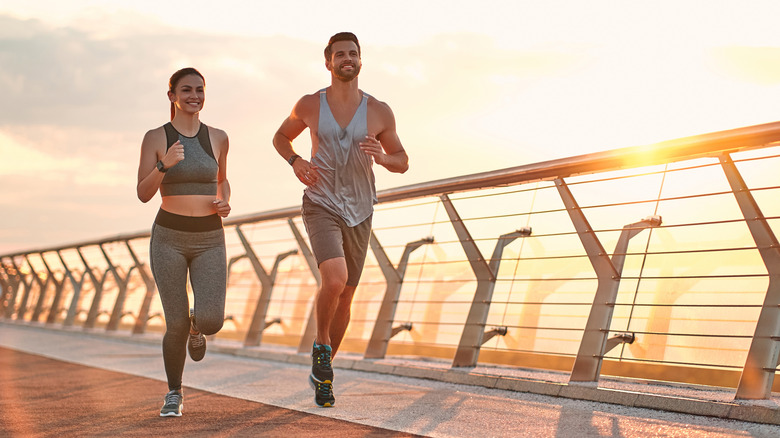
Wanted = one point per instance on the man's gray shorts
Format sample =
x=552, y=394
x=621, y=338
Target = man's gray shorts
x=331, y=237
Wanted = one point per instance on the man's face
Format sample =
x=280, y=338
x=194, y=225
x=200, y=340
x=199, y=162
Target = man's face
x=344, y=60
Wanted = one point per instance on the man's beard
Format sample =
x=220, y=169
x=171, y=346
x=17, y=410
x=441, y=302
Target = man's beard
x=347, y=76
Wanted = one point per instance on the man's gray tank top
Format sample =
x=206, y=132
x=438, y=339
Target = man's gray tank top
x=346, y=185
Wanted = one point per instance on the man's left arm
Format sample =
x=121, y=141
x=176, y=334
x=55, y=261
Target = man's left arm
x=385, y=147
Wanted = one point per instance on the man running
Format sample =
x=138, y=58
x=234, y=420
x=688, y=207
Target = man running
x=350, y=130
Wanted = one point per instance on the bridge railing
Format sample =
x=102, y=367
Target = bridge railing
x=651, y=262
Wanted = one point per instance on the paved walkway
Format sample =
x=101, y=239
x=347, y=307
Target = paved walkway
x=46, y=397
x=64, y=383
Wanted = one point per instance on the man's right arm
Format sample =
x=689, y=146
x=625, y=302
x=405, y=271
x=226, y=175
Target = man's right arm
x=291, y=128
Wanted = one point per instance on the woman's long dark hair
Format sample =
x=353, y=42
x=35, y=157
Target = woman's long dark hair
x=176, y=77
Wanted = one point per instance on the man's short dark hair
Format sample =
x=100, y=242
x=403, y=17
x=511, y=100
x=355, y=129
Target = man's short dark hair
x=341, y=36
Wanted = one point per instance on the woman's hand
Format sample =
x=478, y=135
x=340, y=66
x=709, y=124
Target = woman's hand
x=174, y=155
x=222, y=207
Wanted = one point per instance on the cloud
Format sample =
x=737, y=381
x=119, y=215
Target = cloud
x=77, y=105
x=19, y=159
x=65, y=77
x=68, y=78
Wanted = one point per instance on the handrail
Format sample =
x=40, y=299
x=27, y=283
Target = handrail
x=685, y=148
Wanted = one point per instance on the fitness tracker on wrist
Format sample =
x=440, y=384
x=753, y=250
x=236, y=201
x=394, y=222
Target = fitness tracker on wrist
x=161, y=167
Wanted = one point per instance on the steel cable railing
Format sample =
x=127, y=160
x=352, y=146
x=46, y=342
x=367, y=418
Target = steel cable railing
x=540, y=266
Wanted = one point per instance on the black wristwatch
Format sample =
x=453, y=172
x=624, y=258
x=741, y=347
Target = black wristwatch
x=161, y=167
x=292, y=159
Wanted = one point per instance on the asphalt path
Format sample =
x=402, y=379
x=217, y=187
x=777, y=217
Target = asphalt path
x=68, y=384
x=42, y=397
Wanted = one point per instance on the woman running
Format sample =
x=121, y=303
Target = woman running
x=186, y=161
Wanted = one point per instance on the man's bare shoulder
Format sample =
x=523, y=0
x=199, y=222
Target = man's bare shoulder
x=307, y=105
x=377, y=106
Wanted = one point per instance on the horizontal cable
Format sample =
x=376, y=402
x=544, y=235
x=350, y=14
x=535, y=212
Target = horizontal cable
x=666, y=362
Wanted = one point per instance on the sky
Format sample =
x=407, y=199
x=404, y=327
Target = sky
x=474, y=86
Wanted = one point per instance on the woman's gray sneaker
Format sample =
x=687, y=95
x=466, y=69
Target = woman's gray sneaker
x=174, y=400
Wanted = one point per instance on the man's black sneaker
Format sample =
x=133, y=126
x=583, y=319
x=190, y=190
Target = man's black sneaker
x=321, y=378
x=173, y=404
x=196, y=342
x=321, y=368
x=323, y=392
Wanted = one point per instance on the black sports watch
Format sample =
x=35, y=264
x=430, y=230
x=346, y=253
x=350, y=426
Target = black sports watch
x=161, y=167
x=292, y=159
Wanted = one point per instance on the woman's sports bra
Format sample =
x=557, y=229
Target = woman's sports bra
x=196, y=174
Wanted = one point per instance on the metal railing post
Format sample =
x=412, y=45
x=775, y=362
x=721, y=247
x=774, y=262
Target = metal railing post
x=394, y=278
x=628, y=232
x=121, y=283
x=473, y=334
x=473, y=329
x=587, y=364
x=10, y=290
x=5, y=289
x=59, y=285
x=94, y=308
x=70, y=317
x=310, y=332
x=42, y=286
x=761, y=364
x=27, y=283
x=254, y=334
x=143, y=312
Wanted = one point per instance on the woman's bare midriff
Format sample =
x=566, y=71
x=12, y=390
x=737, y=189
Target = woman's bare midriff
x=189, y=205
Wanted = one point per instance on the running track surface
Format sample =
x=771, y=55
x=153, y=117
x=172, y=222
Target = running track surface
x=41, y=397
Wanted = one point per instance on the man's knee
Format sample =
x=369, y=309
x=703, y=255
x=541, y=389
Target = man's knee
x=333, y=285
x=333, y=275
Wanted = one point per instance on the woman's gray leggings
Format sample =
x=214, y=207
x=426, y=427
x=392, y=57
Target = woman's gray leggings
x=174, y=253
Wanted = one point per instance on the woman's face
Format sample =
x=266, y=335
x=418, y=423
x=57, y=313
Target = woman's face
x=189, y=94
